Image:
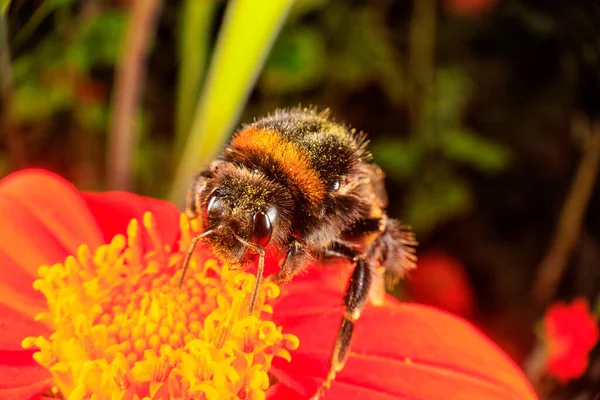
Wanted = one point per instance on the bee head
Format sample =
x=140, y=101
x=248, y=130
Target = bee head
x=238, y=203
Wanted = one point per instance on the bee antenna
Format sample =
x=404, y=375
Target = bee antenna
x=259, y=271
x=188, y=256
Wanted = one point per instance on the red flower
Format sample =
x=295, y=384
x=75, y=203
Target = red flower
x=470, y=7
x=399, y=351
x=571, y=331
x=441, y=281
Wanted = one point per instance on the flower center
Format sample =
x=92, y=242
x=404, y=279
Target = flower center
x=123, y=329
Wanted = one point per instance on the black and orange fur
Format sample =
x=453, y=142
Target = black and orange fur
x=303, y=183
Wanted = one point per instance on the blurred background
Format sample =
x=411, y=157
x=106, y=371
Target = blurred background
x=484, y=114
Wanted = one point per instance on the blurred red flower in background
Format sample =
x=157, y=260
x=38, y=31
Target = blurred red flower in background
x=470, y=7
x=399, y=350
x=571, y=332
x=441, y=281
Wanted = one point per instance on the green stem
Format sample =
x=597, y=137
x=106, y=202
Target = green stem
x=571, y=216
x=125, y=103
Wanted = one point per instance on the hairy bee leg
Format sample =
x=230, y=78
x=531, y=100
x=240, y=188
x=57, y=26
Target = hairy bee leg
x=292, y=263
x=341, y=249
x=354, y=300
x=373, y=227
x=377, y=292
x=391, y=251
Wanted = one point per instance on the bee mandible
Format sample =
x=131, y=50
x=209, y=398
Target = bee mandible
x=305, y=184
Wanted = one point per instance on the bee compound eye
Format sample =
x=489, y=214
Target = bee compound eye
x=215, y=208
x=216, y=201
x=214, y=204
x=261, y=229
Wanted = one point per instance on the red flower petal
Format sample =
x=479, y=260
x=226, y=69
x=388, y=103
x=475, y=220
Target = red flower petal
x=44, y=218
x=19, y=370
x=16, y=291
x=114, y=210
x=15, y=327
x=571, y=333
x=20, y=376
x=28, y=392
x=399, y=350
x=470, y=7
x=280, y=391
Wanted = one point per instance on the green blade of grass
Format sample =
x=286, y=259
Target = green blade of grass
x=4, y=4
x=196, y=17
x=246, y=36
x=38, y=16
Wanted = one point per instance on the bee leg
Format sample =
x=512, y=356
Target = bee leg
x=292, y=263
x=354, y=300
x=190, y=252
x=377, y=293
x=340, y=249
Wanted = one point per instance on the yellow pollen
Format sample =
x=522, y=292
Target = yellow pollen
x=124, y=330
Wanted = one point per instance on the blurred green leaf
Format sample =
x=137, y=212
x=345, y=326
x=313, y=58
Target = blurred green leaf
x=302, y=7
x=365, y=52
x=437, y=199
x=93, y=116
x=101, y=38
x=98, y=41
x=22, y=68
x=399, y=158
x=196, y=23
x=39, y=15
x=4, y=4
x=452, y=90
x=31, y=102
x=241, y=50
x=43, y=79
x=297, y=62
x=467, y=147
x=77, y=57
x=61, y=3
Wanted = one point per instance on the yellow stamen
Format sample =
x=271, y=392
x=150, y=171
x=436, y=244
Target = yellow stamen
x=123, y=329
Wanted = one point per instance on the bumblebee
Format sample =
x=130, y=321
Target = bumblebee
x=301, y=182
